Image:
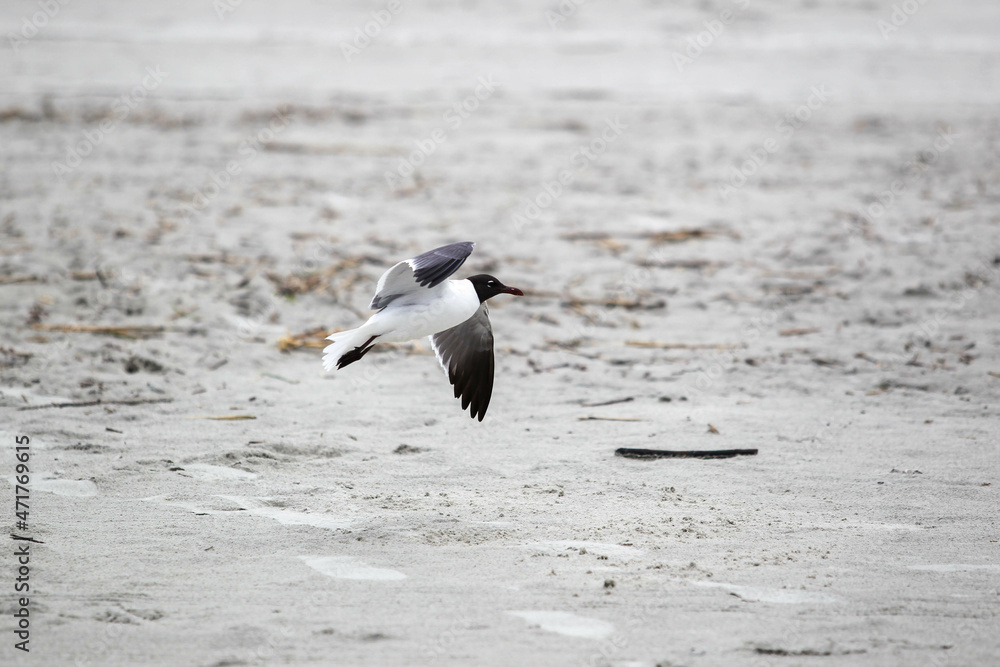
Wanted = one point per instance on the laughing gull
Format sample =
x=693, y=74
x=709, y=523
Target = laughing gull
x=415, y=299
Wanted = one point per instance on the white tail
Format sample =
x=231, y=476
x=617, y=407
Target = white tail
x=342, y=342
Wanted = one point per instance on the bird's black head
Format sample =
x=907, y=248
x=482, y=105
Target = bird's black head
x=487, y=287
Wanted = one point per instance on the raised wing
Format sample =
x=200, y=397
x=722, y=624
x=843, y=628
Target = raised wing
x=466, y=354
x=424, y=271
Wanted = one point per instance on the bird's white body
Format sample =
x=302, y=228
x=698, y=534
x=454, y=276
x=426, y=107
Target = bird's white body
x=409, y=317
x=455, y=301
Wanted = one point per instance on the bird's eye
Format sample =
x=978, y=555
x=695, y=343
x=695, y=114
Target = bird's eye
x=492, y=283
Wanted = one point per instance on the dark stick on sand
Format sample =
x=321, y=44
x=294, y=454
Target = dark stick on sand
x=690, y=454
x=611, y=402
x=87, y=404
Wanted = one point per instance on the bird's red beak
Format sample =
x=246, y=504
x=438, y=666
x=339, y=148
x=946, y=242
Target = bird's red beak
x=512, y=290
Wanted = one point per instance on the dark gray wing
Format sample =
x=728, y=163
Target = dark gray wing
x=466, y=354
x=434, y=266
x=423, y=271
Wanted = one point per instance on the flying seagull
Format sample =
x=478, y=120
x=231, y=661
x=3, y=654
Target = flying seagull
x=415, y=299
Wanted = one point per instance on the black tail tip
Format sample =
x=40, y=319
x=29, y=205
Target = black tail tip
x=349, y=358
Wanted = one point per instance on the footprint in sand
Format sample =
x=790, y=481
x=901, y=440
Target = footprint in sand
x=955, y=567
x=288, y=517
x=210, y=472
x=565, y=623
x=77, y=488
x=347, y=567
x=255, y=506
x=598, y=548
x=774, y=595
x=191, y=507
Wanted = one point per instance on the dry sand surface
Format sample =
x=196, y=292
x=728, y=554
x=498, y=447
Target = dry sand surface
x=792, y=236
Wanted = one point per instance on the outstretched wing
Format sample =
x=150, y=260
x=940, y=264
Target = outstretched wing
x=466, y=354
x=424, y=271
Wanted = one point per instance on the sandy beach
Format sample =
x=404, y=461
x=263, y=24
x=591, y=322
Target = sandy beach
x=739, y=225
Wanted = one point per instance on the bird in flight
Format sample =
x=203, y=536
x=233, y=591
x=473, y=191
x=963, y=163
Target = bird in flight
x=414, y=299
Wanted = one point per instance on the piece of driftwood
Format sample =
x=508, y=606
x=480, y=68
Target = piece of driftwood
x=128, y=331
x=228, y=417
x=613, y=401
x=19, y=278
x=312, y=338
x=656, y=238
x=87, y=404
x=800, y=331
x=615, y=302
x=688, y=454
x=685, y=346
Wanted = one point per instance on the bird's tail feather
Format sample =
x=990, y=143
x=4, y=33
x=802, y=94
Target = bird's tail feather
x=346, y=347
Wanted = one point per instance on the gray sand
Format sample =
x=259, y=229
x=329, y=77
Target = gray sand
x=792, y=237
